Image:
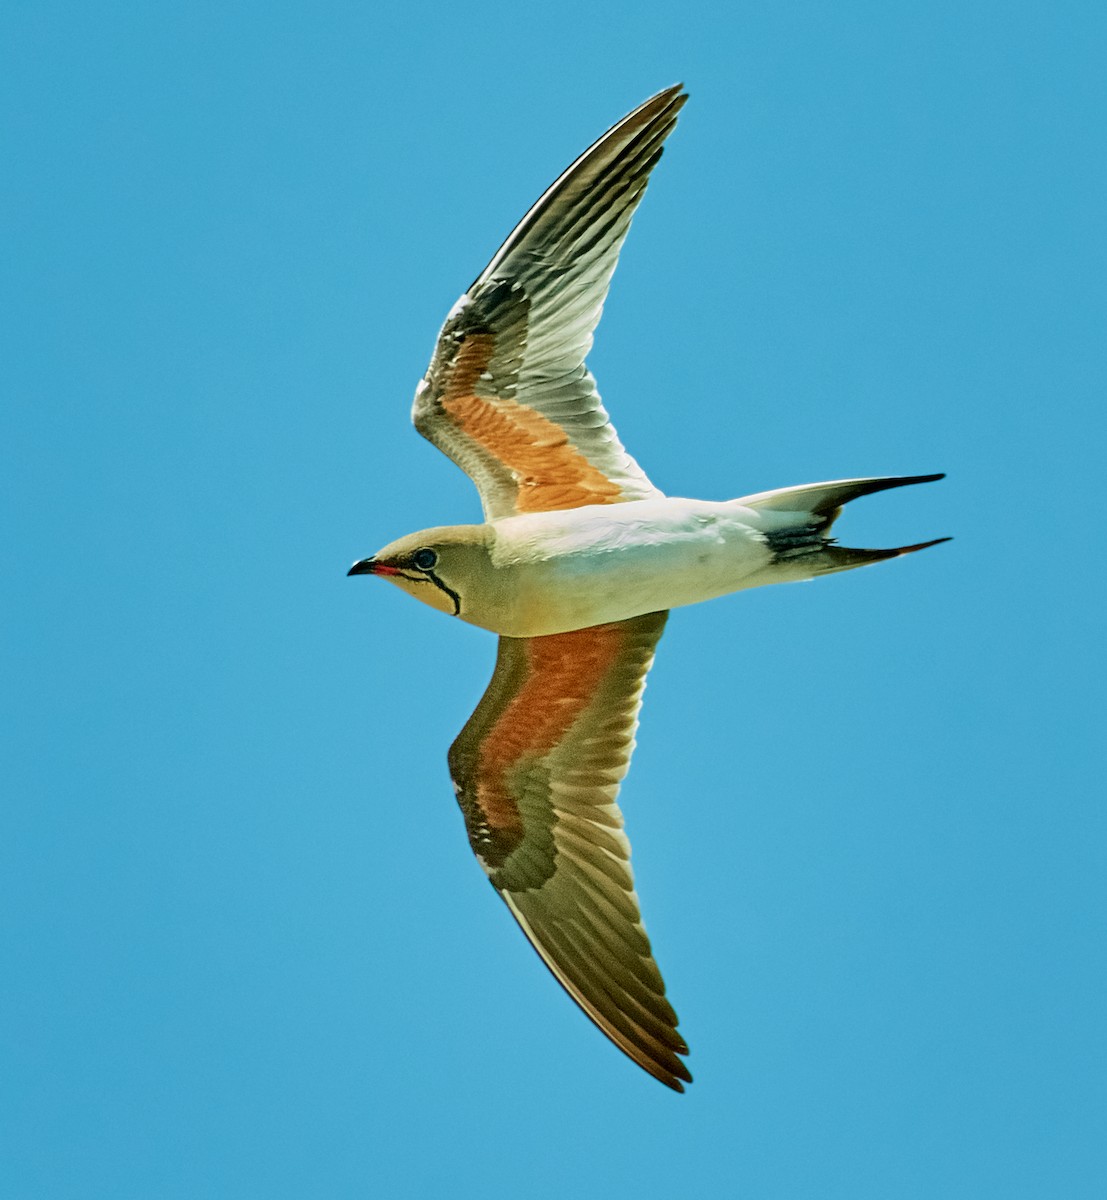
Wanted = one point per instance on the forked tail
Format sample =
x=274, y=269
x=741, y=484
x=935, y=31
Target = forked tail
x=797, y=520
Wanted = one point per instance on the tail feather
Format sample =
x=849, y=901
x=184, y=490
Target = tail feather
x=797, y=521
x=843, y=558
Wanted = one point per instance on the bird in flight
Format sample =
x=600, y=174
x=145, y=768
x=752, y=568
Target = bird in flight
x=575, y=567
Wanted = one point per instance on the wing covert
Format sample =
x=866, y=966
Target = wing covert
x=507, y=394
x=537, y=770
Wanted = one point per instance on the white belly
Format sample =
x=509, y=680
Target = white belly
x=588, y=566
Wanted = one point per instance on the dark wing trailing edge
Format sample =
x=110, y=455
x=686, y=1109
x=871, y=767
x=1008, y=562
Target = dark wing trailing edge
x=507, y=395
x=537, y=770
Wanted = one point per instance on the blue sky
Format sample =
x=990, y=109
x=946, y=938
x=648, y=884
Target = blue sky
x=246, y=950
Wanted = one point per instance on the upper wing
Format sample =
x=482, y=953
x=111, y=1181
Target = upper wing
x=537, y=770
x=507, y=395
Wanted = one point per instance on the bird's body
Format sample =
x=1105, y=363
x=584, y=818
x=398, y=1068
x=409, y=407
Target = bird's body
x=575, y=567
x=609, y=562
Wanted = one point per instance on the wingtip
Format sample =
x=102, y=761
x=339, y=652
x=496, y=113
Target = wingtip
x=895, y=481
x=672, y=1074
x=671, y=99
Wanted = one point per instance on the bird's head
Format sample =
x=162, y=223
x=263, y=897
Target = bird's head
x=446, y=567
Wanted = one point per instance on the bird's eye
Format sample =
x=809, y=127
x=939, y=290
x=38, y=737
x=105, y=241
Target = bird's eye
x=424, y=559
